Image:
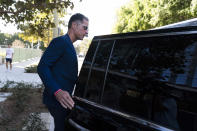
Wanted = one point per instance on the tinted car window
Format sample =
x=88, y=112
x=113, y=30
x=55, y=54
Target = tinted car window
x=83, y=76
x=122, y=91
x=90, y=54
x=143, y=74
x=95, y=83
x=169, y=59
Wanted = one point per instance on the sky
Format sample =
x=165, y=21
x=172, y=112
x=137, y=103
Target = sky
x=101, y=14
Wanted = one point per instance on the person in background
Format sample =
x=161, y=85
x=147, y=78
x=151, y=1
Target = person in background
x=9, y=56
x=58, y=70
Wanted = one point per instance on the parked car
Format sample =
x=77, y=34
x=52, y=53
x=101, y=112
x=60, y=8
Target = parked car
x=138, y=81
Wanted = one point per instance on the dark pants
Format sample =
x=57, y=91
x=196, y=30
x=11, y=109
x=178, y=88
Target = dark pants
x=9, y=60
x=59, y=116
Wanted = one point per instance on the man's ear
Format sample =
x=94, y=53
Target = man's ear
x=74, y=24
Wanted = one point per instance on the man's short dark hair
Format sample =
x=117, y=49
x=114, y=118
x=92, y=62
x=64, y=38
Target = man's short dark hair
x=76, y=17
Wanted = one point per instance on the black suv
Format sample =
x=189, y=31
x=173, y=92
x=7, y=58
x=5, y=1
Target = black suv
x=138, y=81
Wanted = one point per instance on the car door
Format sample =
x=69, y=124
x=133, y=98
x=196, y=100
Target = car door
x=127, y=99
x=106, y=97
x=90, y=84
x=175, y=99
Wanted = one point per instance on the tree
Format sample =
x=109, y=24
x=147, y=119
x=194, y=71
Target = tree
x=83, y=46
x=34, y=38
x=146, y=14
x=8, y=39
x=32, y=12
x=2, y=39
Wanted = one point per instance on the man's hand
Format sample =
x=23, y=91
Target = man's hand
x=65, y=99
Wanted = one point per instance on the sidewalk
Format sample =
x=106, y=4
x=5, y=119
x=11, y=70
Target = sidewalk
x=17, y=74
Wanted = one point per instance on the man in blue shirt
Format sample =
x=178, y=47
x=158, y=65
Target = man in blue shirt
x=58, y=69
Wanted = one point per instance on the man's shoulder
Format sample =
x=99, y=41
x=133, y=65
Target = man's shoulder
x=58, y=42
x=59, y=38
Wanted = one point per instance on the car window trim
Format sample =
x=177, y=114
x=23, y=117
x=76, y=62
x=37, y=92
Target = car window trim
x=150, y=35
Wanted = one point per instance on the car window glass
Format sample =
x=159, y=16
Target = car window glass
x=169, y=59
x=83, y=76
x=95, y=83
x=144, y=73
x=122, y=91
x=90, y=53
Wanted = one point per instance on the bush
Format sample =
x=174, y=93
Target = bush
x=6, y=86
x=25, y=99
x=31, y=69
x=34, y=123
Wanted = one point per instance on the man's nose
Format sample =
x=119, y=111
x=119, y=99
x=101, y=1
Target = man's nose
x=86, y=33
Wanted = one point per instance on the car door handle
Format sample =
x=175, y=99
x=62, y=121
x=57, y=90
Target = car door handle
x=77, y=126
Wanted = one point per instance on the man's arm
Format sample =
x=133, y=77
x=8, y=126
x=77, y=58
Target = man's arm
x=50, y=56
x=48, y=59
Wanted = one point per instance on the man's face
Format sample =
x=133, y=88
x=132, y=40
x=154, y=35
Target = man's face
x=81, y=29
